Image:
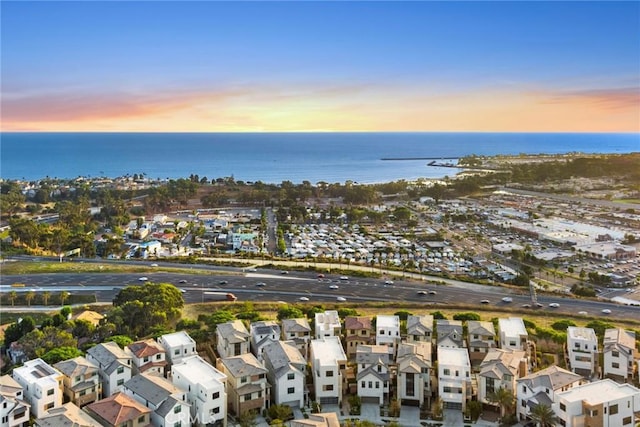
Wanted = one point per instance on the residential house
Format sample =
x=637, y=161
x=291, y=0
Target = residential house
x=358, y=331
x=14, y=411
x=81, y=381
x=540, y=388
x=247, y=386
x=232, y=339
x=286, y=373
x=263, y=333
x=324, y=419
x=619, y=350
x=41, y=384
x=388, y=332
x=454, y=377
x=501, y=368
x=67, y=415
x=114, y=365
x=582, y=346
x=373, y=373
x=90, y=316
x=166, y=401
x=178, y=345
x=298, y=331
x=602, y=403
x=513, y=333
x=148, y=357
x=481, y=338
x=419, y=328
x=120, y=410
x=205, y=387
x=328, y=361
x=414, y=373
x=449, y=334
x=327, y=324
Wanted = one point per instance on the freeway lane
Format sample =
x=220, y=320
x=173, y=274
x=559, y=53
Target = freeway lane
x=292, y=286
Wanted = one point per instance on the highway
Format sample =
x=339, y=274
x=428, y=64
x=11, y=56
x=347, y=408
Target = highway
x=294, y=285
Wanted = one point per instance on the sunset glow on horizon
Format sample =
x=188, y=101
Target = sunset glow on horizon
x=312, y=66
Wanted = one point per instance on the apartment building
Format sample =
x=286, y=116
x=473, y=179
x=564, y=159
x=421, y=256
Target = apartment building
x=120, y=410
x=14, y=411
x=147, y=356
x=262, y=334
x=582, y=349
x=454, y=377
x=602, y=403
x=327, y=324
x=298, y=331
x=166, y=401
x=619, y=348
x=114, y=365
x=501, y=368
x=388, y=332
x=419, y=328
x=286, y=373
x=233, y=339
x=177, y=346
x=328, y=361
x=373, y=373
x=81, y=381
x=358, y=330
x=481, y=337
x=205, y=387
x=247, y=387
x=414, y=373
x=41, y=385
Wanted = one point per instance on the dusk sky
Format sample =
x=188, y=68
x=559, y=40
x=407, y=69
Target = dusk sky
x=321, y=66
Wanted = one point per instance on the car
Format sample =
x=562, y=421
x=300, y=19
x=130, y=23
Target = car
x=582, y=313
x=284, y=272
x=223, y=282
x=341, y=299
x=154, y=265
x=261, y=284
x=554, y=305
x=507, y=299
x=432, y=292
x=344, y=277
x=253, y=270
x=143, y=279
x=320, y=276
x=303, y=299
x=422, y=292
x=334, y=287
x=183, y=281
x=526, y=305
x=485, y=301
x=388, y=282
x=183, y=291
x=539, y=305
x=606, y=311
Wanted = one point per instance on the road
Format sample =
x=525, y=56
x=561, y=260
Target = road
x=290, y=287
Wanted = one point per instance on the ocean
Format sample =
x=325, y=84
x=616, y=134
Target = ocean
x=276, y=157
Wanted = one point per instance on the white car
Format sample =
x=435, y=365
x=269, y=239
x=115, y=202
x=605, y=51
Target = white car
x=334, y=287
x=582, y=313
x=154, y=265
x=388, y=282
x=344, y=277
x=507, y=299
x=341, y=299
x=606, y=311
x=144, y=279
x=554, y=305
x=303, y=299
x=485, y=301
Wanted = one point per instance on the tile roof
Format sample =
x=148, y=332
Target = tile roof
x=118, y=409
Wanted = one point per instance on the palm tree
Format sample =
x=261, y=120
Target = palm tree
x=544, y=416
x=13, y=296
x=504, y=398
x=45, y=297
x=29, y=297
x=63, y=297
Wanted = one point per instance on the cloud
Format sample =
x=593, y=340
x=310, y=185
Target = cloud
x=608, y=98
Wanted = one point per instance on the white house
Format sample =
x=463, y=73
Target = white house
x=287, y=370
x=167, y=401
x=454, y=377
x=14, y=411
x=582, y=346
x=298, y=331
x=247, y=387
x=327, y=324
x=513, y=333
x=328, y=362
x=602, y=403
x=500, y=369
x=114, y=365
x=232, y=339
x=82, y=384
x=414, y=373
x=205, y=387
x=419, y=328
x=373, y=373
x=449, y=333
x=41, y=384
x=178, y=345
x=541, y=387
x=147, y=356
x=263, y=333
x=388, y=332
x=619, y=348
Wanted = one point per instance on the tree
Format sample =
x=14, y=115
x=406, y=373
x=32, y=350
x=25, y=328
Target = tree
x=247, y=419
x=64, y=295
x=562, y=325
x=289, y=312
x=17, y=330
x=59, y=354
x=13, y=295
x=544, y=416
x=121, y=340
x=38, y=342
x=45, y=297
x=280, y=412
x=504, y=398
x=30, y=296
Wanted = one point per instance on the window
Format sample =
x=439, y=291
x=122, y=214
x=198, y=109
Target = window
x=377, y=384
x=49, y=392
x=563, y=407
x=82, y=393
x=158, y=356
x=615, y=353
x=120, y=381
x=48, y=406
x=626, y=420
x=120, y=369
x=291, y=376
x=363, y=332
x=447, y=372
x=146, y=359
x=615, y=365
x=78, y=378
x=247, y=397
x=329, y=373
x=291, y=390
x=475, y=337
x=446, y=389
x=177, y=409
x=613, y=409
x=370, y=384
x=327, y=387
x=457, y=373
x=215, y=395
x=178, y=424
x=216, y=410
x=243, y=380
x=177, y=352
x=141, y=419
x=512, y=343
x=363, y=384
x=594, y=413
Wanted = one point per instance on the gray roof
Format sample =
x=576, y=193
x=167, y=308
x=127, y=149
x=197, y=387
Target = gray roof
x=419, y=325
x=553, y=378
x=233, y=332
x=296, y=325
x=106, y=354
x=476, y=327
x=152, y=388
x=67, y=415
x=283, y=356
x=371, y=370
x=76, y=366
x=372, y=354
x=243, y=365
x=168, y=405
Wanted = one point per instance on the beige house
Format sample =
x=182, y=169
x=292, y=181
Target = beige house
x=481, y=337
x=419, y=328
x=358, y=331
x=247, y=386
x=147, y=356
x=81, y=381
x=67, y=415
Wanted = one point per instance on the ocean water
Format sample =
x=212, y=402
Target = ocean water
x=275, y=157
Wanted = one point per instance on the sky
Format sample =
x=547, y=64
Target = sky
x=264, y=66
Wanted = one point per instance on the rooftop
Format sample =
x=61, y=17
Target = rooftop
x=512, y=327
x=599, y=392
x=387, y=321
x=177, y=339
x=197, y=371
x=578, y=333
x=453, y=356
x=328, y=351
